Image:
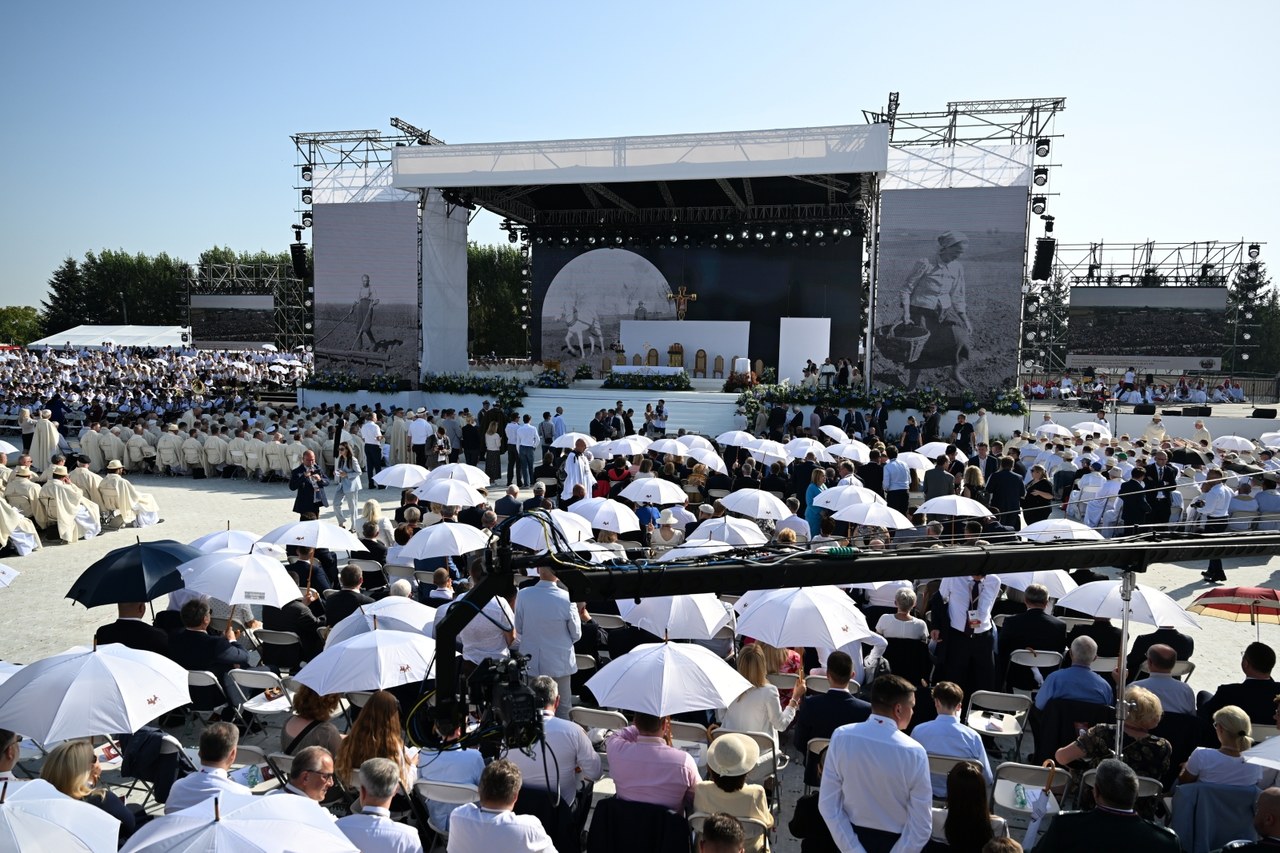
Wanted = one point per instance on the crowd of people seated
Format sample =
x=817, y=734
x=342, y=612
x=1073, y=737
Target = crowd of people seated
x=1132, y=391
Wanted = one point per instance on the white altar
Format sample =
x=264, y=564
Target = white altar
x=702, y=342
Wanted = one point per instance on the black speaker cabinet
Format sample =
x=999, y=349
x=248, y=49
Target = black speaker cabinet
x=1197, y=411
x=1145, y=409
x=1263, y=413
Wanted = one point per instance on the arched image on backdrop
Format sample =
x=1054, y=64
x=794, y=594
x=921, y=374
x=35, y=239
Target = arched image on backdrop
x=589, y=298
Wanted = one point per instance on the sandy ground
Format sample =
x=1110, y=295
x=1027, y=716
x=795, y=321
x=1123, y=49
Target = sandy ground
x=37, y=620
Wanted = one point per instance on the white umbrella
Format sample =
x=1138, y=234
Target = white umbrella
x=709, y=458
x=8, y=575
x=653, y=490
x=449, y=493
x=668, y=446
x=532, y=531
x=799, y=448
x=915, y=461
x=468, y=474
x=1148, y=606
x=402, y=476
x=756, y=503
x=955, y=505
x=691, y=441
x=374, y=660
x=735, y=438
x=628, y=445
x=1269, y=439
x=269, y=347
x=37, y=816
x=731, y=531
x=768, y=451
x=392, y=613
x=1090, y=427
x=1054, y=429
x=855, y=450
x=8, y=669
x=839, y=497
x=586, y=507
x=6, y=448
x=680, y=617
x=314, y=534
x=1232, y=442
x=240, y=579
x=569, y=439
x=694, y=548
x=874, y=515
x=667, y=678
x=445, y=540
x=236, y=541
x=609, y=514
x=245, y=824
x=821, y=616
x=1058, y=582
x=835, y=433
x=934, y=449
x=1266, y=753
x=1059, y=530
x=85, y=692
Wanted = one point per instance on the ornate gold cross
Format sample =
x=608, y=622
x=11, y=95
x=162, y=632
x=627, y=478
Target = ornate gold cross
x=682, y=298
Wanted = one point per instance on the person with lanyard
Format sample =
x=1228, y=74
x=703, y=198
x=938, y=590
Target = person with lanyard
x=969, y=659
x=897, y=482
x=875, y=793
x=1215, y=505
x=1266, y=822
x=371, y=829
x=660, y=418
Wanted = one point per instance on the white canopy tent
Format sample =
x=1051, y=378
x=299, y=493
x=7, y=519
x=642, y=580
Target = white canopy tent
x=93, y=337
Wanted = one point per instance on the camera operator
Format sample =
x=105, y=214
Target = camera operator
x=563, y=756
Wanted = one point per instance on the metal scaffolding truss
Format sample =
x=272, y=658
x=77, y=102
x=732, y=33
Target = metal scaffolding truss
x=1008, y=121
x=679, y=217
x=1208, y=263
x=293, y=305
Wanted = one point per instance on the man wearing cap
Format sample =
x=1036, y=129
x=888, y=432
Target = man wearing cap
x=120, y=497
x=60, y=506
x=539, y=495
x=21, y=493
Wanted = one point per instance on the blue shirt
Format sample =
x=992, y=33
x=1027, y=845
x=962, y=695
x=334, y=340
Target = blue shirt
x=647, y=515
x=1075, y=682
x=897, y=476
x=948, y=736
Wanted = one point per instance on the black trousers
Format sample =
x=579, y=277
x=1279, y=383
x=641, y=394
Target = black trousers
x=971, y=660
x=373, y=460
x=876, y=840
x=420, y=455
x=899, y=499
x=1216, y=525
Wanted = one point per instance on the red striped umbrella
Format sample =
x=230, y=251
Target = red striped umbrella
x=1253, y=604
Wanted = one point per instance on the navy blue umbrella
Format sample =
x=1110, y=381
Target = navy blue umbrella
x=139, y=572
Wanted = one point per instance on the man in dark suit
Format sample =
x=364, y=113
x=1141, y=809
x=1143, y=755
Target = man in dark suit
x=1169, y=636
x=932, y=428
x=872, y=473
x=296, y=616
x=308, y=480
x=347, y=600
x=539, y=495
x=1134, y=506
x=1005, y=490
x=777, y=421
x=878, y=420
x=985, y=462
x=746, y=478
x=854, y=424
x=1256, y=695
x=1113, y=826
x=820, y=714
x=509, y=504
x=1035, y=629
x=474, y=515
x=407, y=499
x=194, y=648
x=306, y=565
x=1102, y=632
x=801, y=477
x=1161, y=479
x=373, y=547
x=131, y=631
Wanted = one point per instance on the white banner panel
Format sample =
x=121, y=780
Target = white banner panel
x=799, y=340
x=916, y=167
x=444, y=287
x=747, y=154
x=349, y=184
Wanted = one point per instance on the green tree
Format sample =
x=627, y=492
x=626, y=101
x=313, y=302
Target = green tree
x=227, y=255
x=1253, y=309
x=19, y=325
x=67, y=304
x=494, y=299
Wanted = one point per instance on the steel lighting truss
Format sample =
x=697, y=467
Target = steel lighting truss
x=293, y=304
x=1209, y=263
x=1009, y=121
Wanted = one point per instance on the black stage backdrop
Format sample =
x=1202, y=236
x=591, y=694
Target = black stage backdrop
x=602, y=287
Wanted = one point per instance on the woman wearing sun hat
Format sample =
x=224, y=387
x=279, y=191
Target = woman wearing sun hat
x=730, y=757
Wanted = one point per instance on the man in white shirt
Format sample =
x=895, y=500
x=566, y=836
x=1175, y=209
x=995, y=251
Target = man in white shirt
x=1176, y=697
x=875, y=793
x=371, y=829
x=448, y=764
x=218, y=744
x=1214, y=504
x=548, y=625
x=564, y=756
x=419, y=432
x=371, y=435
x=526, y=444
x=10, y=749
x=311, y=774
x=488, y=635
x=491, y=825
x=947, y=735
x=969, y=656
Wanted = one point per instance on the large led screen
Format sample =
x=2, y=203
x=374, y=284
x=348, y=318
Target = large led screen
x=951, y=263
x=226, y=321
x=1147, y=328
x=366, y=280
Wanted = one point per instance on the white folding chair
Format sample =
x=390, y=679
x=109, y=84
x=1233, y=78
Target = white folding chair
x=814, y=748
x=608, y=621
x=281, y=763
x=598, y=718
x=689, y=732
x=449, y=793
x=993, y=714
x=1031, y=777
x=783, y=680
x=1045, y=661
x=273, y=701
x=821, y=684
x=1261, y=731
x=207, y=694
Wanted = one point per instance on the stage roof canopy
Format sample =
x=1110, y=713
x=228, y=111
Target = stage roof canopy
x=634, y=179
x=92, y=337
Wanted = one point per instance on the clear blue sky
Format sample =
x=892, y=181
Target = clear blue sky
x=163, y=126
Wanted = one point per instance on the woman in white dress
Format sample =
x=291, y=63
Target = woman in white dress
x=668, y=535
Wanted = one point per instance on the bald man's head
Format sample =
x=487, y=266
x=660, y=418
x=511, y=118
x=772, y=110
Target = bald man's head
x=1266, y=818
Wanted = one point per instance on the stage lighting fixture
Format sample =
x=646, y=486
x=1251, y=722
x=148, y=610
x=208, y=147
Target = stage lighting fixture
x=592, y=239
x=675, y=239
x=1042, y=147
x=307, y=172
x=1038, y=204
x=818, y=233
x=790, y=235
x=759, y=235
x=513, y=237
x=773, y=233
x=524, y=325
x=306, y=219
x=617, y=241
x=745, y=234
x=1040, y=176
x=1254, y=251
x=847, y=232
x=1244, y=356
x=306, y=196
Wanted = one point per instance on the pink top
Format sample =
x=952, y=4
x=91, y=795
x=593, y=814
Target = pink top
x=645, y=770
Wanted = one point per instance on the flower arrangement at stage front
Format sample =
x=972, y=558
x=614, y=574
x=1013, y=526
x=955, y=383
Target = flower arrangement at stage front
x=507, y=392
x=335, y=380
x=1008, y=401
x=648, y=381
x=968, y=401
x=583, y=371
x=553, y=379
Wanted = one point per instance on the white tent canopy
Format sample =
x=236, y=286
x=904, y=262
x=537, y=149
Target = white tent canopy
x=92, y=337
